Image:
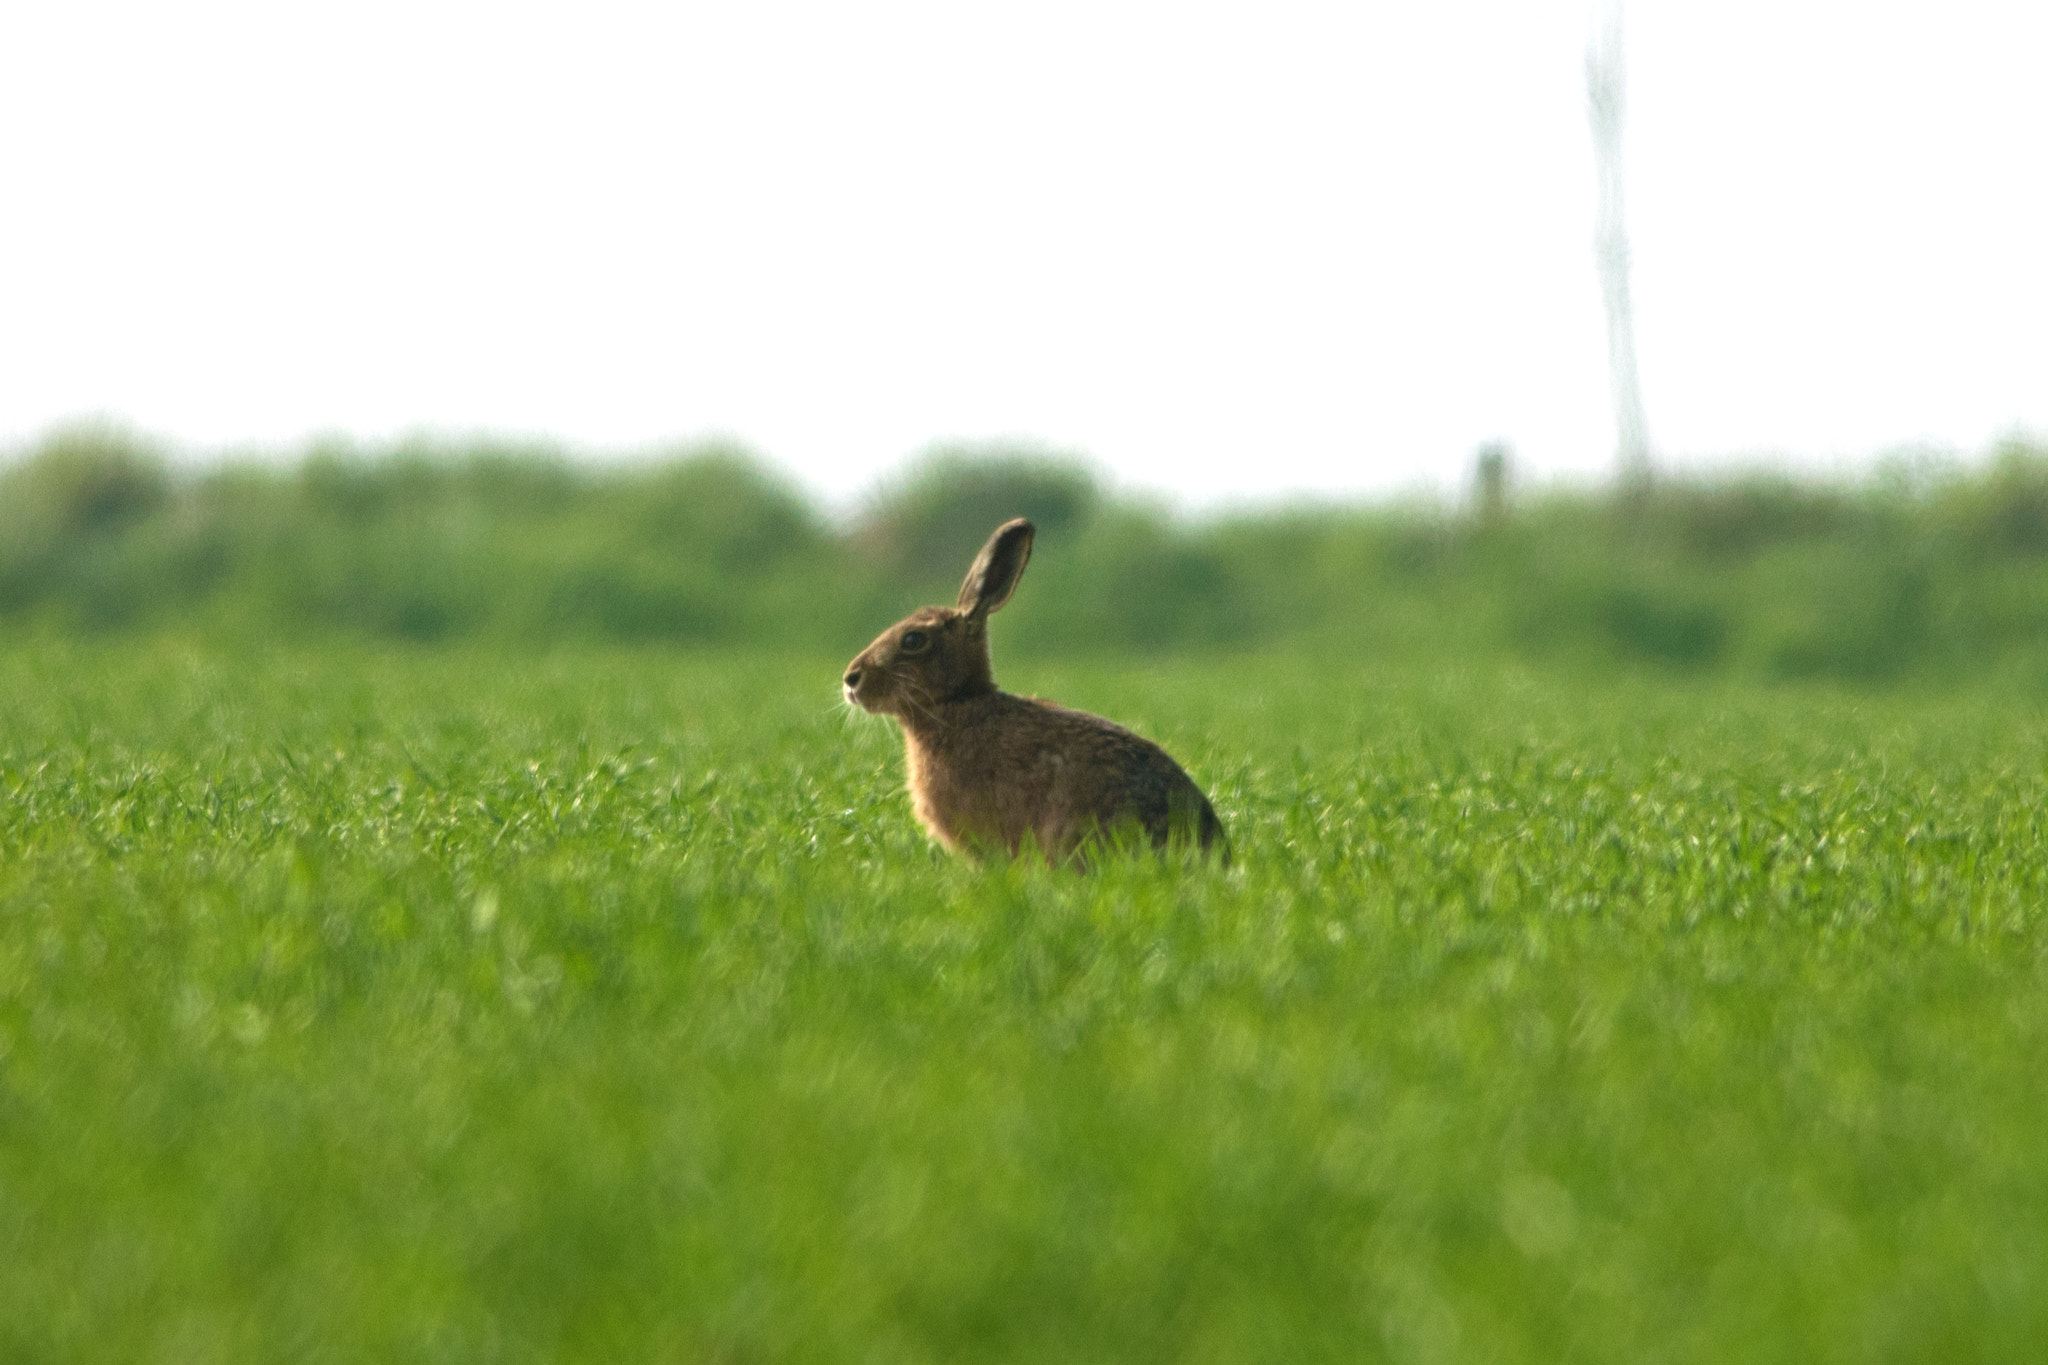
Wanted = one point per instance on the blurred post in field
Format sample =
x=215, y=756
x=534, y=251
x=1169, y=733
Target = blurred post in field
x=1604, y=100
x=1490, y=483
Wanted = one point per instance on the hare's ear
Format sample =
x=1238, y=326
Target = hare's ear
x=997, y=568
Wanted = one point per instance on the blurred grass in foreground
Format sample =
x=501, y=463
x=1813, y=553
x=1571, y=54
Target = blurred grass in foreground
x=1929, y=572
x=362, y=1003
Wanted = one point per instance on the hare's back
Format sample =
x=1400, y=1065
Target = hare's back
x=1109, y=776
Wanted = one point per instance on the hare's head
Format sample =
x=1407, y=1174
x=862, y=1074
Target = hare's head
x=937, y=655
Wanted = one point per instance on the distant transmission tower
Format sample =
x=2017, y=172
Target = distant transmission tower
x=1610, y=243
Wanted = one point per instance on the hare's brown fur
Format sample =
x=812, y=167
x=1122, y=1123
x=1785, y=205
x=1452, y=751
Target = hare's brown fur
x=990, y=771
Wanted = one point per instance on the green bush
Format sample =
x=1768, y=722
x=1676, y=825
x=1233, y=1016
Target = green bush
x=925, y=525
x=1915, y=571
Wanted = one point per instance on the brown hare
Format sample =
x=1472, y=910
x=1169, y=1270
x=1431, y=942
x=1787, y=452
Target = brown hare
x=992, y=772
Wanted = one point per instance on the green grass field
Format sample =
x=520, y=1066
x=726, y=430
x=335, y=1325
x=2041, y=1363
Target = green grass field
x=467, y=1006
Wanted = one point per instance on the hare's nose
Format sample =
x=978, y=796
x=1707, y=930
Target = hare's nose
x=853, y=677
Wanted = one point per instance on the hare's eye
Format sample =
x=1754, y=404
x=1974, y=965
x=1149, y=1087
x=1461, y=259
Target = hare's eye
x=913, y=641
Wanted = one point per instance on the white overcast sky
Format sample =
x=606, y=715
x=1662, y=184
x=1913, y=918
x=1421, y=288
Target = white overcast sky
x=1223, y=250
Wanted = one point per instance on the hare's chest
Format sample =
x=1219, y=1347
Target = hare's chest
x=968, y=794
